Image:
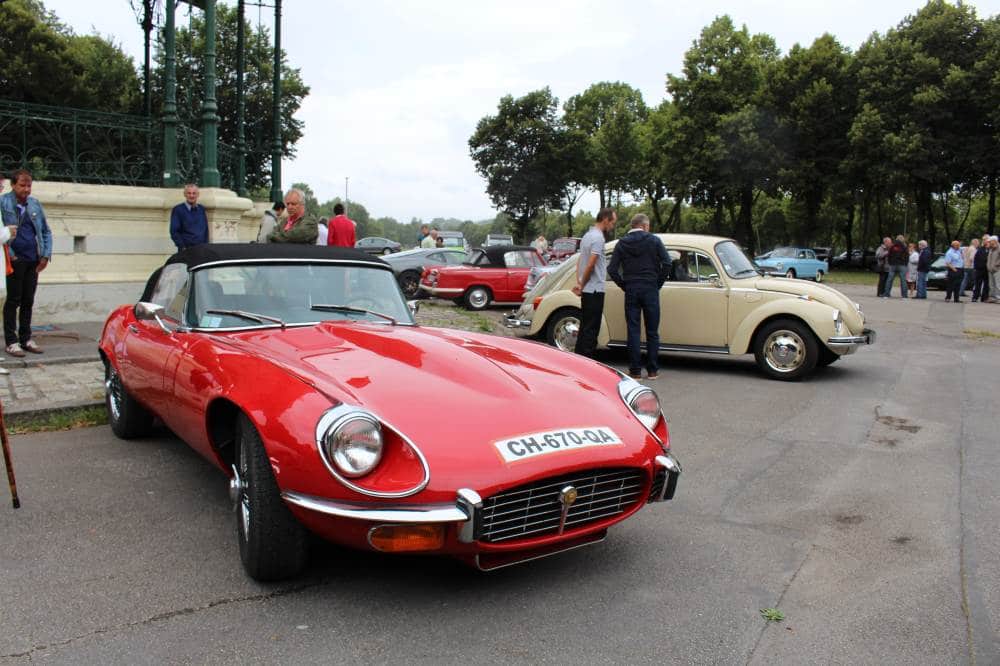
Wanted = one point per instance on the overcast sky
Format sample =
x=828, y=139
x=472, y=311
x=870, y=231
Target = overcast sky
x=398, y=86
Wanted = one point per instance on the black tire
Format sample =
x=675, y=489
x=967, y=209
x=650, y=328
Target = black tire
x=790, y=273
x=826, y=357
x=409, y=282
x=387, y=250
x=562, y=328
x=819, y=276
x=477, y=298
x=127, y=417
x=786, y=349
x=273, y=544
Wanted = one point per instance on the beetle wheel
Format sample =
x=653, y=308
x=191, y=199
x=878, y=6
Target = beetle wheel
x=273, y=544
x=477, y=298
x=786, y=350
x=563, y=328
x=127, y=417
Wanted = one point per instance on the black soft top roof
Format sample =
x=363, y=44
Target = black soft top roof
x=212, y=252
x=494, y=253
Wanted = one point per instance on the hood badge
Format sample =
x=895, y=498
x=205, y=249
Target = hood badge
x=566, y=497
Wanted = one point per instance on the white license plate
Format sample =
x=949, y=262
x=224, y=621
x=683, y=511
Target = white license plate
x=535, y=444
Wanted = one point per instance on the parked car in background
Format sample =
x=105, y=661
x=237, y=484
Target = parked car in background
x=378, y=245
x=793, y=262
x=715, y=302
x=823, y=253
x=490, y=275
x=498, y=239
x=454, y=239
x=857, y=259
x=563, y=247
x=937, y=276
x=409, y=265
x=299, y=372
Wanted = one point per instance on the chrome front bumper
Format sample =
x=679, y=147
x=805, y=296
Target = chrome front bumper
x=848, y=344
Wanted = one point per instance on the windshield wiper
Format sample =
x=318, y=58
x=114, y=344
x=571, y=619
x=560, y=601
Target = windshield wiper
x=252, y=316
x=324, y=307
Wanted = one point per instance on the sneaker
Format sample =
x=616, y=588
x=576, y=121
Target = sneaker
x=652, y=375
x=15, y=350
x=635, y=375
x=33, y=347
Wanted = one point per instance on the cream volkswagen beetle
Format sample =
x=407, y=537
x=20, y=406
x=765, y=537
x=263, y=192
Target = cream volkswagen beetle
x=715, y=302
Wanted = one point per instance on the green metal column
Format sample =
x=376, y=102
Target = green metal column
x=209, y=118
x=241, y=144
x=276, y=193
x=170, y=176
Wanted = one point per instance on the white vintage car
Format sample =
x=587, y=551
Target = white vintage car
x=714, y=302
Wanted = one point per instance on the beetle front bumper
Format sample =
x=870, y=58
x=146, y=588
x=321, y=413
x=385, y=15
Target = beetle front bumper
x=848, y=344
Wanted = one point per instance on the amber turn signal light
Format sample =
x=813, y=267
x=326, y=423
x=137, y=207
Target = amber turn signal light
x=535, y=303
x=406, y=538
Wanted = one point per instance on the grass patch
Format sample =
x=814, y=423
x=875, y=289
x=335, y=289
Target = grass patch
x=980, y=333
x=772, y=614
x=851, y=277
x=61, y=419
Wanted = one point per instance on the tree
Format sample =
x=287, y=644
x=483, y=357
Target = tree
x=608, y=115
x=518, y=152
x=259, y=129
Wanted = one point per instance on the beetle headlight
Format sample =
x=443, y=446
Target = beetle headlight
x=352, y=444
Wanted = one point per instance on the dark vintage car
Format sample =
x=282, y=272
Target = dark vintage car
x=378, y=245
x=491, y=275
x=857, y=259
x=409, y=265
x=299, y=372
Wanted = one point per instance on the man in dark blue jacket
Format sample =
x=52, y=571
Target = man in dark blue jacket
x=924, y=260
x=188, y=220
x=640, y=265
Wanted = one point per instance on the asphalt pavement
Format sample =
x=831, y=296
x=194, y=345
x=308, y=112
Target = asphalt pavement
x=861, y=503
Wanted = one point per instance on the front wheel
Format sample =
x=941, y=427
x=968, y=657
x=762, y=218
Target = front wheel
x=790, y=274
x=786, y=350
x=477, y=298
x=826, y=357
x=387, y=250
x=273, y=544
x=819, y=276
x=563, y=328
x=127, y=417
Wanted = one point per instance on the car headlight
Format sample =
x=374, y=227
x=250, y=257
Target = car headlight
x=350, y=440
x=643, y=402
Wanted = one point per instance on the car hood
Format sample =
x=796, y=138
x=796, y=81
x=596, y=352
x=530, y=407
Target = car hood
x=452, y=393
x=818, y=292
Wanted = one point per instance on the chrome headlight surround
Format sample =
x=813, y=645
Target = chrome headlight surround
x=838, y=322
x=350, y=441
x=643, y=402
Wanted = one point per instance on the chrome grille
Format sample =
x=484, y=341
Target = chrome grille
x=534, y=509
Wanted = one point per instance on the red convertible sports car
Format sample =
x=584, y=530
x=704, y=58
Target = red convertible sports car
x=299, y=372
x=494, y=274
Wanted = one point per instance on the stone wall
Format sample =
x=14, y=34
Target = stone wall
x=107, y=239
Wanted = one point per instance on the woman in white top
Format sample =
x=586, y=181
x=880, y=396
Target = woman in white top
x=911, y=270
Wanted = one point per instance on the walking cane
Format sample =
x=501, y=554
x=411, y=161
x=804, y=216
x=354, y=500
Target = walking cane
x=8, y=463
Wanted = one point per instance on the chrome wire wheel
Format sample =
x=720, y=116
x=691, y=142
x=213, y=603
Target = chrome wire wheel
x=784, y=351
x=410, y=282
x=114, y=392
x=238, y=492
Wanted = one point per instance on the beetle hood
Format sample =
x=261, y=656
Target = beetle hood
x=818, y=292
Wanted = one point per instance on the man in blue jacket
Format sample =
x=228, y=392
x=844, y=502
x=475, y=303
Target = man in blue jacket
x=188, y=220
x=30, y=252
x=640, y=265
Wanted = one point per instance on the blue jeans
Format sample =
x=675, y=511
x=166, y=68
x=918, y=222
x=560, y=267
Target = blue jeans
x=642, y=302
x=893, y=272
x=921, y=284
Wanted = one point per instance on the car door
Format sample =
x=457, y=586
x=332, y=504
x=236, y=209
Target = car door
x=147, y=346
x=519, y=263
x=694, y=305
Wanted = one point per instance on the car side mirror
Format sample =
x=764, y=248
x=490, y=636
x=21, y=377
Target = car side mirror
x=715, y=281
x=414, y=307
x=145, y=311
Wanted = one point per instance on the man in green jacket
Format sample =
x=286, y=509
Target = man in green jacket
x=299, y=228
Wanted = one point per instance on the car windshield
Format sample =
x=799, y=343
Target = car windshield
x=734, y=261
x=783, y=252
x=248, y=295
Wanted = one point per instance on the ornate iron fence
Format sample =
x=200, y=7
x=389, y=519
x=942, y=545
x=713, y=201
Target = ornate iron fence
x=80, y=146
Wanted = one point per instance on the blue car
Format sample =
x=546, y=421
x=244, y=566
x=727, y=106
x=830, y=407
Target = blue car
x=793, y=262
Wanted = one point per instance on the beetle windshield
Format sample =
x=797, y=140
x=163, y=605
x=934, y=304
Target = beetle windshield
x=287, y=293
x=734, y=261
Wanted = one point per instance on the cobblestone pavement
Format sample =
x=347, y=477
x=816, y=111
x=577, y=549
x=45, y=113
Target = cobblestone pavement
x=52, y=386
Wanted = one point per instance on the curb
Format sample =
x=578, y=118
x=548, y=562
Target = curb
x=17, y=417
x=13, y=362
